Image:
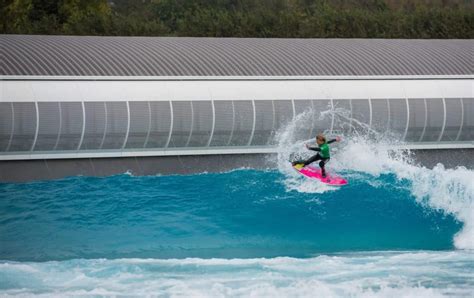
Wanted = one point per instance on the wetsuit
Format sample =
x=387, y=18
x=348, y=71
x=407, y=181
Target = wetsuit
x=323, y=155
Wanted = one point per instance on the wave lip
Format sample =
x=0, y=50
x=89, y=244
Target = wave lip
x=371, y=274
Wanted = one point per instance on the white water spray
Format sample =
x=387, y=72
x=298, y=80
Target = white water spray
x=366, y=151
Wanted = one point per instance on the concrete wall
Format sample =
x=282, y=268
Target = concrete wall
x=29, y=170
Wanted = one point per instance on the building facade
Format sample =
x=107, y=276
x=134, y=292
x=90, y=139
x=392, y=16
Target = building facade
x=98, y=101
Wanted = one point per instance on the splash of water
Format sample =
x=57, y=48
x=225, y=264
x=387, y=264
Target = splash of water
x=365, y=151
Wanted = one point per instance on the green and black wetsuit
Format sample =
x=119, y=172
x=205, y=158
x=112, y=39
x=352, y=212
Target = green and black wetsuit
x=323, y=155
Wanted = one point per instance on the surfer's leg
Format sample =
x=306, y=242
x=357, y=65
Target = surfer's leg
x=308, y=161
x=322, y=163
x=312, y=159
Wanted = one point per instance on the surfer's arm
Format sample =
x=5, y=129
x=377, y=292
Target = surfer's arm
x=337, y=139
x=313, y=148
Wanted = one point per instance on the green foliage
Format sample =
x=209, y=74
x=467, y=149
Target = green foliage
x=242, y=18
x=15, y=16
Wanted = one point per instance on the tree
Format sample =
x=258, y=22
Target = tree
x=15, y=16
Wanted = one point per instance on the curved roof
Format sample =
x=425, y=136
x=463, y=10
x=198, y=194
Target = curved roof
x=183, y=56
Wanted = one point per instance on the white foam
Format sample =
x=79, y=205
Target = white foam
x=365, y=151
x=375, y=274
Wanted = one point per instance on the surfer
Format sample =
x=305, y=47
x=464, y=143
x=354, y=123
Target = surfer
x=322, y=155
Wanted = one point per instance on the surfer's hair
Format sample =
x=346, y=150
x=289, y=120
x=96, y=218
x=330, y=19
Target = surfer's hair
x=321, y=137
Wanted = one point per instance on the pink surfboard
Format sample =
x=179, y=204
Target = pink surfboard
x=315, y=173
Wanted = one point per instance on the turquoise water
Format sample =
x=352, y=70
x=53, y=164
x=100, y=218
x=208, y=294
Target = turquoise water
x=239, y=214
x=244, y=233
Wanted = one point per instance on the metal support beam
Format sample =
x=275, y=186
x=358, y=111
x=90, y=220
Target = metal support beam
x=233, y=124
x=192, y=124
x=13, y=127
x=462, y=120
x=253, y=123
x=37, y=127
x=60, y=126
x=105, y=126
x=128, y=125
x=213, y=123
x=444, y=120
x=149, y=125
x=83, y=126
x=407, y=121
x=426, y=121
x=171, y=125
